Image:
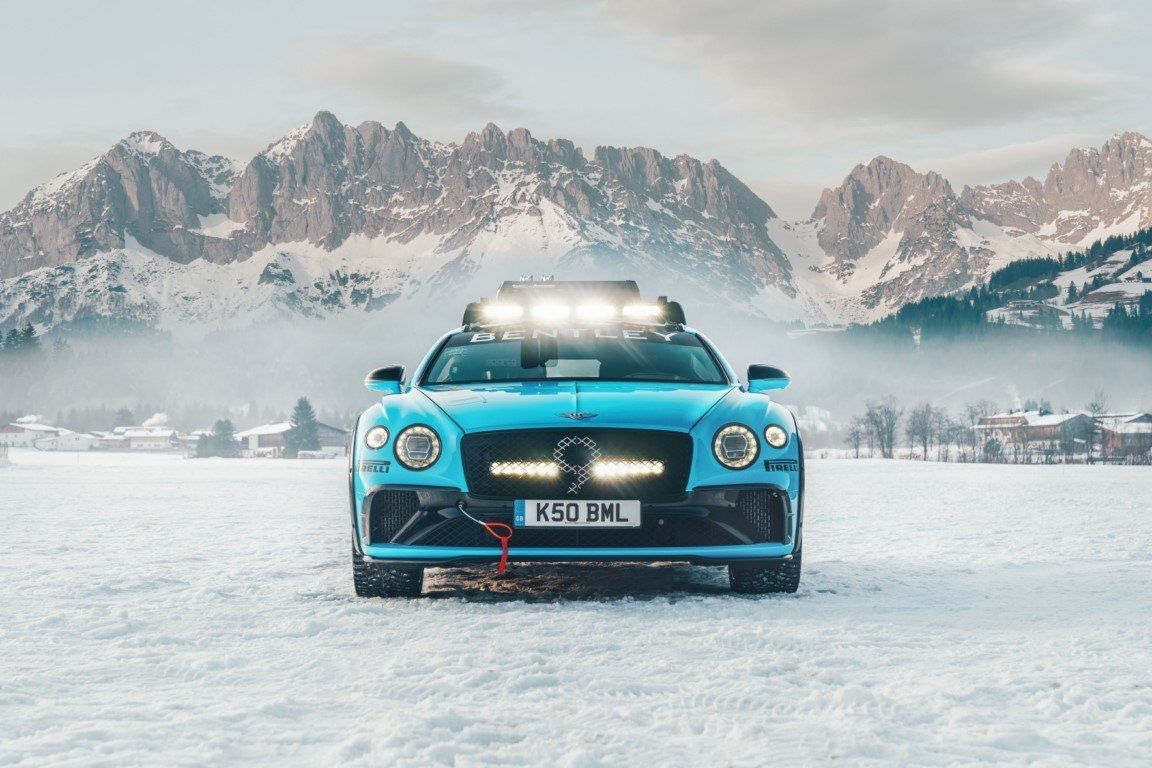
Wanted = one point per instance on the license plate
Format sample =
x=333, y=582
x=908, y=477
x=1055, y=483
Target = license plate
x=532, y=513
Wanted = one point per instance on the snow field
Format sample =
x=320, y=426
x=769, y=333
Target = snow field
x=155, y=610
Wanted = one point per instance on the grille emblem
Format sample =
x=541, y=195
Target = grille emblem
x=576, y=455
x=577, y=416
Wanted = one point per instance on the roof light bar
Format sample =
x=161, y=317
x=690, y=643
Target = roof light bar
x=588, y=301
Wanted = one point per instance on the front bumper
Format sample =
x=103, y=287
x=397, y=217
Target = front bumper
x=421, y=525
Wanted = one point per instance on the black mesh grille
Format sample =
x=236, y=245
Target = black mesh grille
x=763, y=512
x=670, y=531
x=574, y=450
x=389, y=512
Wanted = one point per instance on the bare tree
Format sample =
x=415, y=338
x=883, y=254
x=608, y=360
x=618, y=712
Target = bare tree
x=974, y=412
x=855, y=436
x=920, y=427
x=946, y=431
x=882, y=420
x=1097, y=406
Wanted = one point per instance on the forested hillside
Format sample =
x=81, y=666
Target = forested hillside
x=1102, y=291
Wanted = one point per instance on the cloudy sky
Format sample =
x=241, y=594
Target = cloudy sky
x=788, y=94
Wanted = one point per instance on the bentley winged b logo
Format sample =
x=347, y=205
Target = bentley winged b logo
x=577, y=415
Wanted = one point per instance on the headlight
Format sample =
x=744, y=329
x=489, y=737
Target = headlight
x=376, y=437
x=735, y=446
x=418, y=447
x=776, y=437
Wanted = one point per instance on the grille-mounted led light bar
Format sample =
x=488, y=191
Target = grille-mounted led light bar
x=604, y=469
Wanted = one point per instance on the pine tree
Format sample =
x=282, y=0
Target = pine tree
x=305, y=432
x=12, y=341
x=29, y=339
x=1072, y=295
x=124, y=418
x=224, y=439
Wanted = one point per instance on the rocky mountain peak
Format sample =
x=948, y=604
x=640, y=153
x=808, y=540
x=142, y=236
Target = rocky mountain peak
x=1093, y=193
x=145, y=143
x=143, y=188
x=873, y=202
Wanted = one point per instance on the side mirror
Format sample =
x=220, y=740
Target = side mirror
x=388, y=379
x=762, y=378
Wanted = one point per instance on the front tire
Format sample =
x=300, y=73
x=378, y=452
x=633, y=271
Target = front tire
x=376, y=580
x=767, y=579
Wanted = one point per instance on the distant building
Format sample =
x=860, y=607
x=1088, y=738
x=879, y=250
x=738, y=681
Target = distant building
x=1039, y=431
x=1129, y=417
x=270, y=439
x=151, y=438
x=138, y=439
x=24, y=434
x=265, y=440
x=66, y=440
x=191, y=440
x=1126, y=436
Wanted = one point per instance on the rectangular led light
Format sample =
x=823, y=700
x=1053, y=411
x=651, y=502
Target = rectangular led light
x=503, y=311
x=543, y=469
x=551, y=312
x=596, y=312
x=642, y=311
x=612, y=469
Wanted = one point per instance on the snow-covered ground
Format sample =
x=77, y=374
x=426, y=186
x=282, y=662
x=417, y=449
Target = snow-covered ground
x=162, y=611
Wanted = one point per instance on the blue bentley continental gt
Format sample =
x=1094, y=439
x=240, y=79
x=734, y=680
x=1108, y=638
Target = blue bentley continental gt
x=573, y=421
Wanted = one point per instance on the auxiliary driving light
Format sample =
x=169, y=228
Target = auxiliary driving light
x=376, y=438
x=776, y=437
x=525, y=468
x=735, y=446
x=610, y=470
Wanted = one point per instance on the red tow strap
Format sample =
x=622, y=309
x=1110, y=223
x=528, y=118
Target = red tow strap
x=493, y=530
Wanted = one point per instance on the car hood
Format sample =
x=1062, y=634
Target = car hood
x=643, y=405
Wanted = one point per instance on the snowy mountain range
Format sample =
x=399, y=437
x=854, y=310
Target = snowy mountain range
x=334, y=219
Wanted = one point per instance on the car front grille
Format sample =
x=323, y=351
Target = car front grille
x=572, y=455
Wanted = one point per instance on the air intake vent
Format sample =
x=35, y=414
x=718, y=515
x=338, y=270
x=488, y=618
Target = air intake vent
x=389, y=512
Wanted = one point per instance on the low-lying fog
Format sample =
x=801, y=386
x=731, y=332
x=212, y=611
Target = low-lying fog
x=255, y=375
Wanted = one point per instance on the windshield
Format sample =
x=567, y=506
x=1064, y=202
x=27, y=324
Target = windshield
x=603, y=354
